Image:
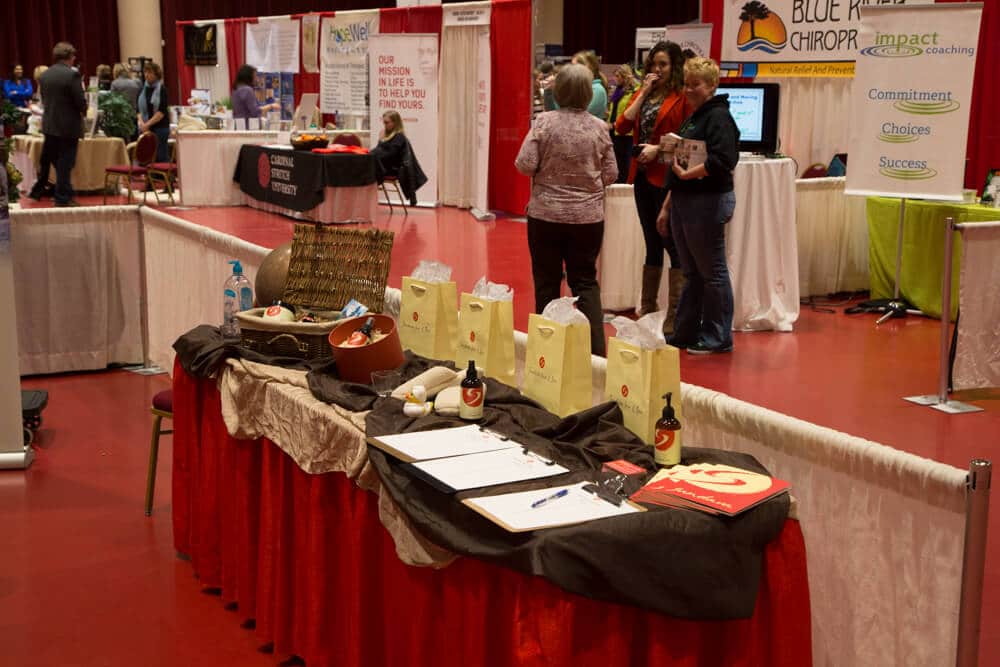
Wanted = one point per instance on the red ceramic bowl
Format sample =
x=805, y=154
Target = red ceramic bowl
x=355, y=364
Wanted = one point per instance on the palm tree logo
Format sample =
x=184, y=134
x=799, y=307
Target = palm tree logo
x=760, y=29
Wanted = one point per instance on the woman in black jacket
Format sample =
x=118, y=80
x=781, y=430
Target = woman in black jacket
x=394, y=157
x=701, y=202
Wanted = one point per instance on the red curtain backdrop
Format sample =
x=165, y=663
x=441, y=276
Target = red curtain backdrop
x=609, y=27
x=31, y=29
x=983, y=148
x=510, y=113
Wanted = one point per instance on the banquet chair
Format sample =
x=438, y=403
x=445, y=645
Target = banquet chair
x=392, y=180
x=347, y=139
x=141, y=155
x=166, y=172
x=163, y=408
x=817, y=170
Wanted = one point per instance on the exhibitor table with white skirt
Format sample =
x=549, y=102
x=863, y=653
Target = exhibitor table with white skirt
x=206, y=160
x=760, y=247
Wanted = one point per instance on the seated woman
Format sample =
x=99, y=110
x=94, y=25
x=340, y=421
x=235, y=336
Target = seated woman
x=18, y=89
x=244, y=98
x=394, y=157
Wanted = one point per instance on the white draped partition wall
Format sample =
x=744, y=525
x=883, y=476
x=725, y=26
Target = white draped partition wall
x=215, y=77
x=457, y=152
x=832, y=235
x=814, y=119
x=977, y=352
x=186, y=265
x=77, y=287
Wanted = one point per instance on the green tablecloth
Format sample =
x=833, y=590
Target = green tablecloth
x=923, y=249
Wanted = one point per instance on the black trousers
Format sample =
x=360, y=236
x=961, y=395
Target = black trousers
x=648, y=201
x=553, y=244
x=61, y=152
x=623, y=155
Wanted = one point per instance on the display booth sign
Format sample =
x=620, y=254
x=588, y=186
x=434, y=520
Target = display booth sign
x=200, y=45
x=911, y=100
x=794, y=30
x=404, y=78
x=343, y=48
x=484, y=82
x=272, y=45
x=310, y=43
x=466, y=14
x=694, y=36
x=645, y=39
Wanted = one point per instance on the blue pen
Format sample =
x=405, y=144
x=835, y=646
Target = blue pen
x=547, y=499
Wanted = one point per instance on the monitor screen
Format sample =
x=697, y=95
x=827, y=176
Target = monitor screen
x=754, y=107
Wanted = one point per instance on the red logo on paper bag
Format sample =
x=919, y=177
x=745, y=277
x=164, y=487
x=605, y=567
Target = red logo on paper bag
x=625, y=390
x=472, y=397
x=415, y=316
x=263, y=170
x=273, y=311
x=472, y=336
x=541, y=362
x=665, y=439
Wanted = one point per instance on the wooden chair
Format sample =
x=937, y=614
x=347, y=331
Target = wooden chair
x=817, y=170
x=347, y=139
x=166, y=172
x=163, y=408
x=141, y=155
x=392, y=180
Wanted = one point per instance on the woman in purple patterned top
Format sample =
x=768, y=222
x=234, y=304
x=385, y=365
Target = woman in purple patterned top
x=569, y=156
x=244, y=99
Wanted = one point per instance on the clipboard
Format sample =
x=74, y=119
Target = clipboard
x=441, y=443
x=514, y=512
x=474, y=471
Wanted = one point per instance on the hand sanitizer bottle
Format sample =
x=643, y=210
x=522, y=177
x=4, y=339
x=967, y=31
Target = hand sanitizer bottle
x=237, y=295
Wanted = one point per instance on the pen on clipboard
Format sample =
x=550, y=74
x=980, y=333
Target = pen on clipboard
x=548, y=499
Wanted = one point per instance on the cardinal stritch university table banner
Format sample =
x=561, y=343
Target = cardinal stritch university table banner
x=404, y=78
x=794, y=30
x=911, y=100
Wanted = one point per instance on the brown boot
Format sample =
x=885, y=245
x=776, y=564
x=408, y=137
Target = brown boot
x=676, y=278
x=650, y=287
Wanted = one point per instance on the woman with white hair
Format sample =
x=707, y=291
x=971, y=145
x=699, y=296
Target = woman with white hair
x=569, y=156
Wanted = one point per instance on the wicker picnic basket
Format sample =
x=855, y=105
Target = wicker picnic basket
x=328, y=267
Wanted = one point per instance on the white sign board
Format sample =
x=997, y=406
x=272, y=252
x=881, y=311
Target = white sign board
x=694, y=36
x=343, y=85
x=310, y=43
x=794, y=30
x=273, y=45
x=466, y=14
x=911, y=101
x=404, y=78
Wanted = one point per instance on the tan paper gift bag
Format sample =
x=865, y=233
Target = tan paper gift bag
x=486, y=335
x=637, y=379
x=557, y=370
x=428, y=318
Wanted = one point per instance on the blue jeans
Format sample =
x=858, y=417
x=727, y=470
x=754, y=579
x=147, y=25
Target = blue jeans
x=705, y=310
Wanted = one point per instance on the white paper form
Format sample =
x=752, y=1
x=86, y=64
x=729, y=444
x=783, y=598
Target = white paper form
x=489, y=468
x=424, y=445
x=514, y=512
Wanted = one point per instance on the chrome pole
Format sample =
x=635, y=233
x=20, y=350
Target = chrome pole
x=949, y=240
x=899, y=247
x=977, y=507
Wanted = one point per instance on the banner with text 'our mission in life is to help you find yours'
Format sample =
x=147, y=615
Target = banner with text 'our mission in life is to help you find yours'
x=911, y=100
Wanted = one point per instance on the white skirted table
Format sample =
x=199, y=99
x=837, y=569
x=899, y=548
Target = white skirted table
x=833, y=237
x=760, y=247
x=206, y=161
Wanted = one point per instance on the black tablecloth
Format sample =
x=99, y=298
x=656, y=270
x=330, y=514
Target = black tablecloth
x=295, y=179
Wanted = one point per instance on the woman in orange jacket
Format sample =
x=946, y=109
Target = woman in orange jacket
x=657, y=109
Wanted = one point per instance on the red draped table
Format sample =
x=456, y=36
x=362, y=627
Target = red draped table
x=307, y=558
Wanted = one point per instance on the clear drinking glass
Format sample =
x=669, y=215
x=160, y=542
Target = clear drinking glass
x=383, y=382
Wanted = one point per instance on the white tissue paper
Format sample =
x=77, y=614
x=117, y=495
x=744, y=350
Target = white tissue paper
x=431, y=272
x=563, y=312
x=492, y=291
x=645, y=333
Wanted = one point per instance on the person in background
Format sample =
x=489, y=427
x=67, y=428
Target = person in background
x=126, y=86
x=154, y=109
x=244, y=99
x=104, y=77
x=621, y=97
x=599, y=102
x=701, y=202
x=658, y=108
x=568, y=155
x=394, y=157
x=17, y=89
x=548, y=80
x=62, y=123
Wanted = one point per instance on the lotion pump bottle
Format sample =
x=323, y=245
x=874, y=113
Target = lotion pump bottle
x=667, y=448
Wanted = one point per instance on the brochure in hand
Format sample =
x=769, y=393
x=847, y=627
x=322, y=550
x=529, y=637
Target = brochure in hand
x=711, y=488
x=688, y=153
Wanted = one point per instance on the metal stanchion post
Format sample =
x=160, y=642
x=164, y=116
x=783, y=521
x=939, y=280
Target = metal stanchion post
x=977, y=507
x=899, y=248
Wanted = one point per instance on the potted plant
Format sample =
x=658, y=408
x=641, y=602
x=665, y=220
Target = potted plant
x=11, y=118
x=117, y=116
x=14, y=177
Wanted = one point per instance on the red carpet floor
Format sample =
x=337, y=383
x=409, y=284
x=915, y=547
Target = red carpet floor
x=86, y=579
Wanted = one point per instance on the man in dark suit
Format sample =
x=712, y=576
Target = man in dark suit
x=62, y=123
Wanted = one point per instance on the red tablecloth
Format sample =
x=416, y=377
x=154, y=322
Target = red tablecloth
x=307, y=558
